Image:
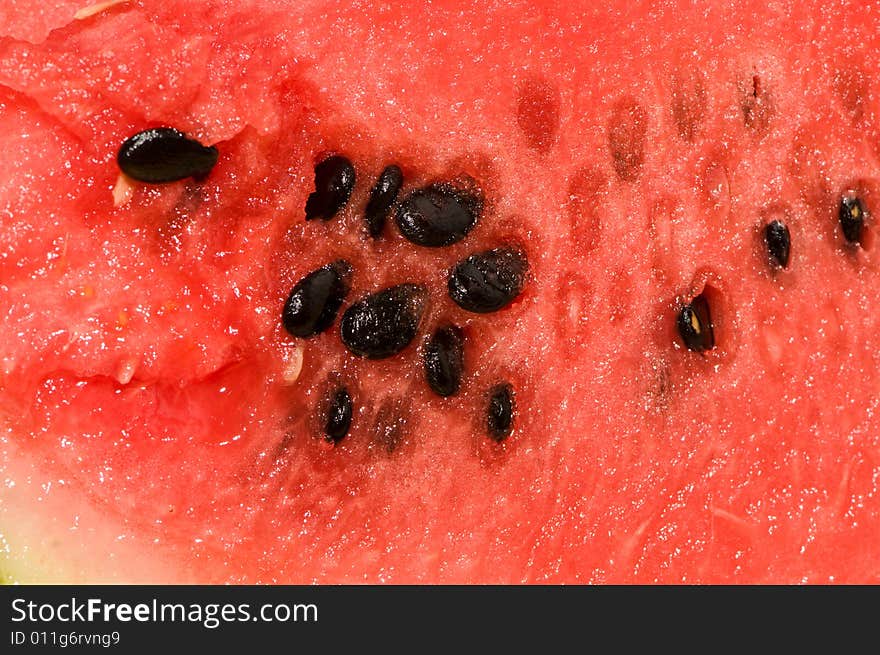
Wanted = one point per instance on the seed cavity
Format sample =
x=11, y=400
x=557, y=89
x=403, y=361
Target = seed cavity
x=443, y=358
x=757, y=104
x=163, y=154
x=588, y=205
x=537, y=113
x=315, y=300
x=851, y=85
x=382, y=197
x=384, y=323
x=627, y=129
x=777, y=238
x=337, y=420
x=689, y=102
x=488, y=281
x=438, y=215
x=852, y=218
x=390, y=424
x=499, y=413
x=334, y=182
x=695, y=325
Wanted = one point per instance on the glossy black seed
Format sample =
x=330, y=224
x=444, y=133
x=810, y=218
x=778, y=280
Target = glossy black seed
x=334, y=182
x=163, y=154
x=338, y=418
x=437, y=215
x=695, y=325
x=852, y=218
x=314, y=301
x=382, y=196
x=778, y=241
x=384, y=323
x=499, y=414
x=488, y=281
x=443, y=358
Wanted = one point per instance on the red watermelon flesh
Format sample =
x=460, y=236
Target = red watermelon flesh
x=159, y=425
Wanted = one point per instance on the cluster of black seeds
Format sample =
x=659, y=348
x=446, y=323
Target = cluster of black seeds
x=694, y=320
x=382, y=324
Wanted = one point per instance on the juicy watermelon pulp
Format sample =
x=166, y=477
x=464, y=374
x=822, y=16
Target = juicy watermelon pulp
x=159, y=425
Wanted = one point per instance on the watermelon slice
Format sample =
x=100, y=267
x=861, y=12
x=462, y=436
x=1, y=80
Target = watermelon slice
x=611, y=315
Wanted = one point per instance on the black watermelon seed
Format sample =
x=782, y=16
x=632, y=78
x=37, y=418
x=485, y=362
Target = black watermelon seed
x=163, y=154
x=852, y=218
x=334, y=182
x=437, y=215
x=499, y=414
x=315, y=300
x=384, y=323
x=488, y=281
x=339, y=413
x=695, y=325
x=443, y=358
x=778, y=241
x=382, y=196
